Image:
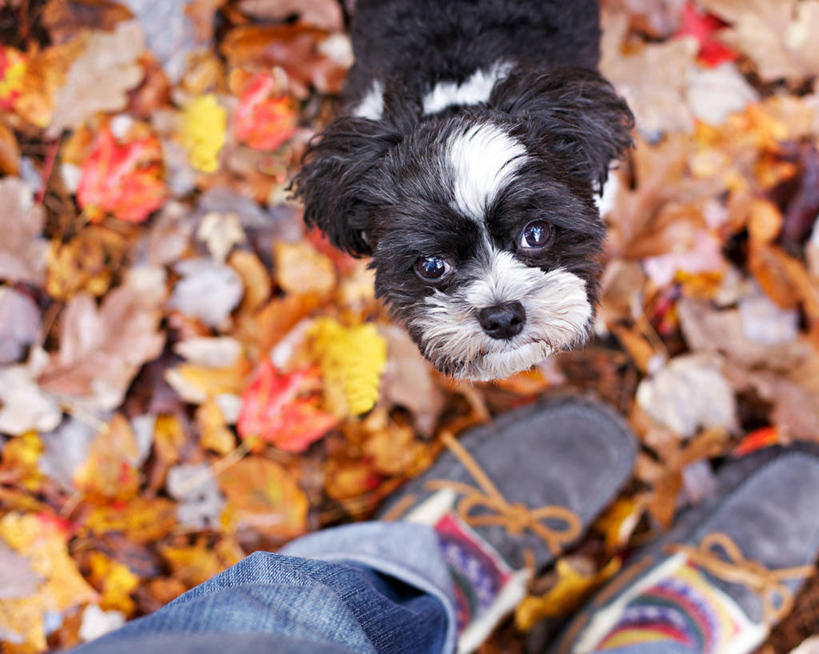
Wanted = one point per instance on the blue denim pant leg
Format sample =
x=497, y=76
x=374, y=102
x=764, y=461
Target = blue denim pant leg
x=364, y=589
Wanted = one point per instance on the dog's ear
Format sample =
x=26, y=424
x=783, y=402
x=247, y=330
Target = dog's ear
x=574, y=111
x=334, y=181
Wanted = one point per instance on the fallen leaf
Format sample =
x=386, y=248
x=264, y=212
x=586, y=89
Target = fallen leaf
x=123, y=179
x=570, y=588
x=264, y=496
x=208, y=290
x=65, y=18
x=263, y=120
x=202, y=133
x=301, y=269
x=408, y=381
x=282, y=409
x=97, y=623
x=25, y=405
x=777, y=36
x=324, y=14
x=114, y=581
x=220, y=233
x=108, y=472
x=19, y=324
x=301, y=51
x=23, y=252
x=352, y=360
x=9, y=152
x=99, y=78
x=142, y=520
x=705, y=27
x=101, y=349
x=689, y=393
x=200, y=500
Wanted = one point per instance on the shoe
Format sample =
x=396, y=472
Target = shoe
x=510, y=496
x=720, y=580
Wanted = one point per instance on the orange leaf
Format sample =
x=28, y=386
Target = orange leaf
x=263, y=495
x=757, y=440
x=123, y=179
x=262, y=121
x=281, y=409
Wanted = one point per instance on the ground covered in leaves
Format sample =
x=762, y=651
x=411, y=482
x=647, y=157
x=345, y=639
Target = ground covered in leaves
x=187, y=376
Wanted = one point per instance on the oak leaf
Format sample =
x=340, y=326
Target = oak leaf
x=101, y=349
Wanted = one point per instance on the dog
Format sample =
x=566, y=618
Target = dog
x=473, y=138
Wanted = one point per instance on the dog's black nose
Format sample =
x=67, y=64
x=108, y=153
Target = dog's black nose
x=503, y=321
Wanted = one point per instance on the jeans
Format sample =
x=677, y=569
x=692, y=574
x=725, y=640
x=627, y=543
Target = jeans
x=360, y=589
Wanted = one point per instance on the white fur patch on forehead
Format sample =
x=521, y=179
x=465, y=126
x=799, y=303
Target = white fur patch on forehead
x=372, y=104
x=476, y=89
x=483, y=160
x=558, y=316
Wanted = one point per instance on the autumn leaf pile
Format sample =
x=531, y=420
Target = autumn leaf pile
x=187, y=376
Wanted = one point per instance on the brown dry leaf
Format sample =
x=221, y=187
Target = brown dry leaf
x=108, y=472
x=309, y=55
x=196, y=383
x=42, y=539
x=778, y=36
x=9, y=152
x=192, y=565
x=22, y=252
x=142, y=520
x=785, y=280
x=570, y=588
x=115, y=581
x=101, y=349
x=300, y=268
x=657, y=100
x=65, y=18
x=264, y=496
x=86, y=263
x=255, y=279
x=100, y=77
x=280, y=315
x=409, y=381
x=324, y=14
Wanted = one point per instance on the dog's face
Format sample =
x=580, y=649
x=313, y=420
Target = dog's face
x=481, y=222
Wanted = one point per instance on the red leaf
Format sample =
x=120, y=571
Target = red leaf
x=261, y=121
x=123, y=179
x=281, y=409
x=756, y=440
x=703, y=27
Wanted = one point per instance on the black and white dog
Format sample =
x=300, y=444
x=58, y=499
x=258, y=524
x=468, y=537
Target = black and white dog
x=474, y=136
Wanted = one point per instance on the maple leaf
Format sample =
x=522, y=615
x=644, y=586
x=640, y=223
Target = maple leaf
x=281, y=409
x=352, y=360
x=123, y=179
x=265, y=496
x=204, y=123
x=262, y=121
x=703, y=27
x=101, y=349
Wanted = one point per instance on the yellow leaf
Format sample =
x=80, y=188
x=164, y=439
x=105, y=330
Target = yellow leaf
x=618, y=523
x=352, y=360
x=192, y=565
x=204, y=123
x=20, y=455
x=569, y=590
x=24, y=618
x=43, y=540
x=115, y=580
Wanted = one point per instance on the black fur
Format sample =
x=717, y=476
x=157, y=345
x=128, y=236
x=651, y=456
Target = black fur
x=379, y=187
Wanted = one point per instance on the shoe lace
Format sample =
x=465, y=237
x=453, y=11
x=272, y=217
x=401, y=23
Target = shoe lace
x=777, y=599
x=514, y=517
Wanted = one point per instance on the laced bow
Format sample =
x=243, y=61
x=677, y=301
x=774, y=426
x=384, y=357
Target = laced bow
x=777, y=599
x=515, y=518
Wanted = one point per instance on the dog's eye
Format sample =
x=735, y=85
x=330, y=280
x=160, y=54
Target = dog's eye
x=536, y=235
x=431, y=269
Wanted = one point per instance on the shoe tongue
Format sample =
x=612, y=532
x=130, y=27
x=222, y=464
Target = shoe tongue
x=486, y=587
x=675, y=602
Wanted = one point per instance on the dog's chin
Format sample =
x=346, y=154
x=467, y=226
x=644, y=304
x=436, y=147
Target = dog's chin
x=504, y=363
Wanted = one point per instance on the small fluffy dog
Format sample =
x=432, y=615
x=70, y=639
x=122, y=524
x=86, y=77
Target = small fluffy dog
x=473, y=138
